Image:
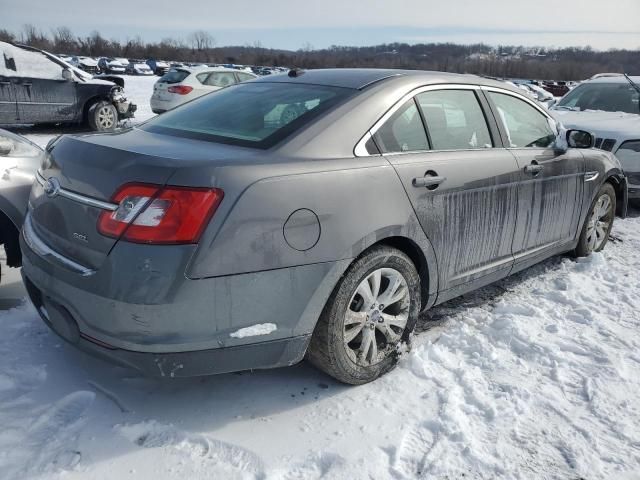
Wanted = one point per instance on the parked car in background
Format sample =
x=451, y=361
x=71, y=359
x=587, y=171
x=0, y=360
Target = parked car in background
x=609, y=106
x=557, y=89
x=183, y=84
x=88, y=64
x=20, y=159
x=39, y=88
x=158, y=66
x=227, y=235
x=111, y=65
x=138, y=67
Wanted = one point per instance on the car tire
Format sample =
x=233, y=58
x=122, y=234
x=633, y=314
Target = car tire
x=598, y=223
x=342, y=344
x=102, y=116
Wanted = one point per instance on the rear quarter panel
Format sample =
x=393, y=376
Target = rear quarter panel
x=357, y=202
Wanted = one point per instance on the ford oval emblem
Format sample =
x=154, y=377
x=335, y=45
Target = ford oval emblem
x=52, y=187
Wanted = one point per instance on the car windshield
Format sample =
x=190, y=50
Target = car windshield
x=608, y=97
x=251, y=114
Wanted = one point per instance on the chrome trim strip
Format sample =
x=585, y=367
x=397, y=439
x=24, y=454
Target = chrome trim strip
x=92, y=202
x=591, y=176
x=44, y=251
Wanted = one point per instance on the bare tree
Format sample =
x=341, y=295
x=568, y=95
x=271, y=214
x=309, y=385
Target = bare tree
x=201, y=40
x=63, y=40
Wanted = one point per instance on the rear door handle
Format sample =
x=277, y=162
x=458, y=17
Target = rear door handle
x=533, y=169
x=428, y=181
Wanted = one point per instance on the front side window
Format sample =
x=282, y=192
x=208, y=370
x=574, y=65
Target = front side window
x=249, y=114
x=524, y=124
x=403, y=131
x=454, y=119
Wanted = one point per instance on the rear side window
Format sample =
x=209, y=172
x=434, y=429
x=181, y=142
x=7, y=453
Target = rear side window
x=243, y=77
x=525, y=125
x=454, y=120
x=174, y=76
x=403, y=131
x=220, y=79
x=249, y=114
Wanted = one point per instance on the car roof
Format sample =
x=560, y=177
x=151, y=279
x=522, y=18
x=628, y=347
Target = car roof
x=360, y=78
x=210, y=69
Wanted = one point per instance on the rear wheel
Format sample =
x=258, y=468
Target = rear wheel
x=102, y=116
x=599, y=221
x=372, y=310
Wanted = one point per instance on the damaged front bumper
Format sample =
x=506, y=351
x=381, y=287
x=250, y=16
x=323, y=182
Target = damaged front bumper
x=125, y=108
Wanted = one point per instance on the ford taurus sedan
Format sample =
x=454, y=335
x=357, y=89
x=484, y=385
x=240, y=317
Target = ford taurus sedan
x=225, y=235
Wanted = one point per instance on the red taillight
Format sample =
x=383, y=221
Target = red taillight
x=180, y=89
x=154, y=214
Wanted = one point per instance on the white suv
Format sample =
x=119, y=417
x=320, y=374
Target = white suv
x=608, y=106
x=183, y=84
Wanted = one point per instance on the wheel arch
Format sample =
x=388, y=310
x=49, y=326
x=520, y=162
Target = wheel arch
x=89, y=103
x=619, y=184
x=417, y=256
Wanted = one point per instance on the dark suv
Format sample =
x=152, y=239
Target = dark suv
x=39, y=88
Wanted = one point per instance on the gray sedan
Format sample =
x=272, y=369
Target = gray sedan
x=308, y=214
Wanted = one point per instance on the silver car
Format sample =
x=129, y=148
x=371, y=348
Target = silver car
x=19, y=160
x=307, y=214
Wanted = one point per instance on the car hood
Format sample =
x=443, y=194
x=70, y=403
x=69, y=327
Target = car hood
x=88, y=63
x=619, y=125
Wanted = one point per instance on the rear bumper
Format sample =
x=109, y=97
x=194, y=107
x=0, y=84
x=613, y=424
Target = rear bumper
x=275, y=353
x=137, y=309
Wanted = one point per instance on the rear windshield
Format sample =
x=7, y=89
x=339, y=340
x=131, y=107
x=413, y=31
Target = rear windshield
x=608, y=97
x=173, y=76
x=251, y=114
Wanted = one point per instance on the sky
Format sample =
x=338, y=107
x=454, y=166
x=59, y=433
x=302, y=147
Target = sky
x=294, y=24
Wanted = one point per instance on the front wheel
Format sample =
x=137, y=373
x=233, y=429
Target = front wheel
x=371, y=311
x=102, y=117
x=599, y=221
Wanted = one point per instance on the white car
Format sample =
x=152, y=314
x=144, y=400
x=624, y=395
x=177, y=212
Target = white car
x=183, y=84
x=88, y=64
x=138, y=68
x=608, y=105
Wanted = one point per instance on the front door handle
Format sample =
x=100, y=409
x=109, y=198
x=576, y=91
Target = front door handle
x=429, y=181
x=533, y=169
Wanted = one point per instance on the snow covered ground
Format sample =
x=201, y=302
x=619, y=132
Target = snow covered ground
x=535, y=377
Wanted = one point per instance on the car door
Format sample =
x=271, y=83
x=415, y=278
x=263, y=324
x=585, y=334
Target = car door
x=44, y=100
x=551, y=186
x=41, y=92
x=460, y=181
x=8, y=105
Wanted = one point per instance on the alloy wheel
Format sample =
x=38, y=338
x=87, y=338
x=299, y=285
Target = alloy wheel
x=376, y=317
x=106, y=117
x=599, y=223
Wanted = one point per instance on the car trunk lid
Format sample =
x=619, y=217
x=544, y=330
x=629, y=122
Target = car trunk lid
x=81, y=175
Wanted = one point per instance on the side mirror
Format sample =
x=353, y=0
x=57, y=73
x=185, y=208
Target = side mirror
x=580, y=139
x=67, y=75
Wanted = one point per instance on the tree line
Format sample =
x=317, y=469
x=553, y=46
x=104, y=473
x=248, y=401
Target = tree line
x=576, y=63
